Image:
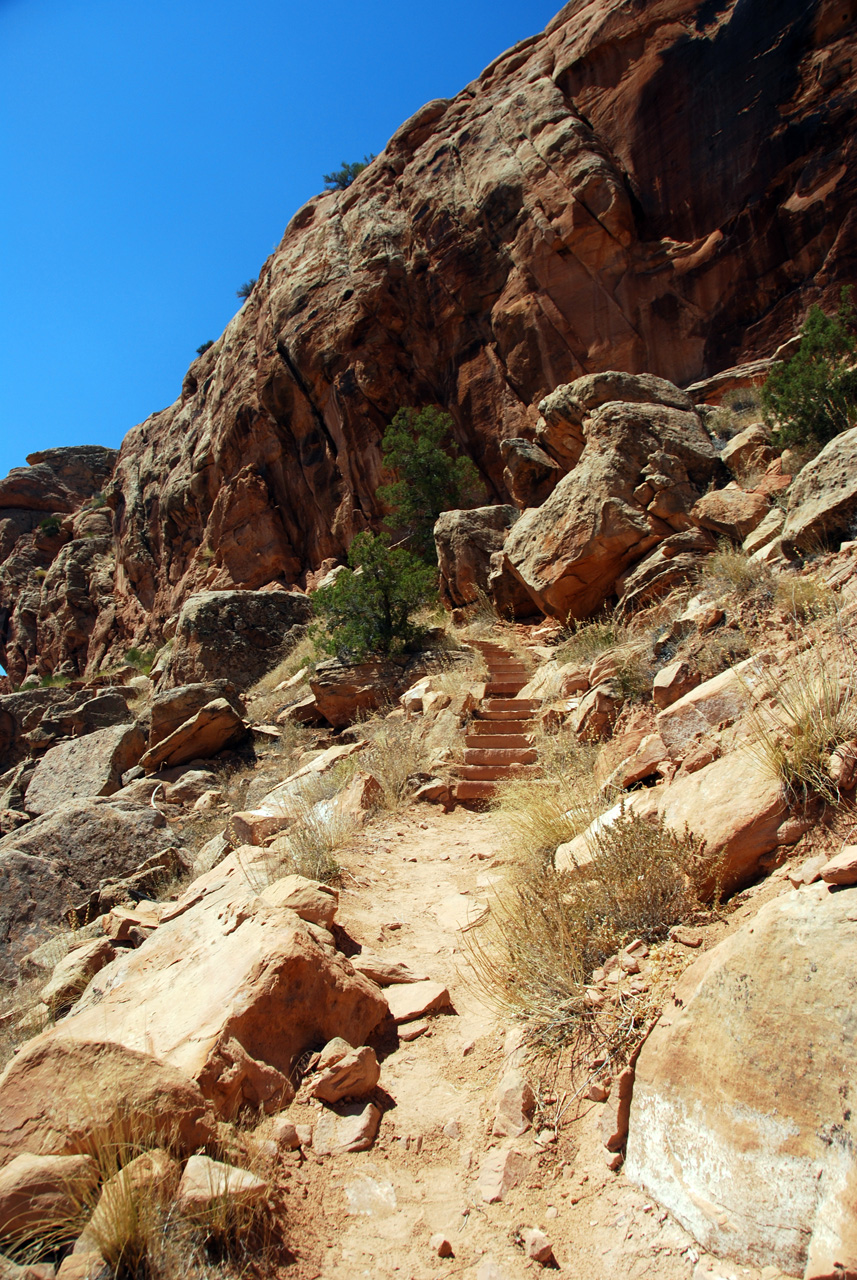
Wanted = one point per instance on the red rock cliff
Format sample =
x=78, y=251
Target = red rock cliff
x=661, y=187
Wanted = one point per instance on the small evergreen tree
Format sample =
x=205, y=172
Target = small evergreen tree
x=429, y=479
x=204, y=346
x=369, y=608
x=246, y=288
x=812, y=397
x=342, y=178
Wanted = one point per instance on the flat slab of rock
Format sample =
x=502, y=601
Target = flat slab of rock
x=841, y=870
x=84, y=767
x=309, y=899
x=353, y=1127
x=206, y=1181
x=416, y=999
x=40, y=1194
x=741, y=1123
x=386, y=973
x=501, y=1170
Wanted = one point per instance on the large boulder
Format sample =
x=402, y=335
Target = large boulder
x=229, y=991
x=823, y=497
x=530, y=474
x=45, y=1196
x=20, y=714
x=642, y=468
x=743, y=1123
x=343, y=690
x=172, y=707
x=465, y=542
x=673, y=563
x=235, y=635
x=214, y=727
x=81, y=714
x=80, y=768
x=57, y=860
x=731, y=512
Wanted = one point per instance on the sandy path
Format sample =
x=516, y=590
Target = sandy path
x=410, y=883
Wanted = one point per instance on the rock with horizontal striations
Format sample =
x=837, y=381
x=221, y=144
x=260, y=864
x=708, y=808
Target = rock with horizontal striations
x=44, y=1196
x=235, y=635
x=84, y=767
x=758, y=1162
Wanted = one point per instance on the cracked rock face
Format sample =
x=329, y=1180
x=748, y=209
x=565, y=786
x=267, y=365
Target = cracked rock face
x=658, y=190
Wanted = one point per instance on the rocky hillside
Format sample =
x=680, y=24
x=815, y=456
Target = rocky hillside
x=656, y=188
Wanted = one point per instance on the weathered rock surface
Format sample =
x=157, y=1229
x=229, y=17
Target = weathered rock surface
x=71, y=975
x=235, y=635
x=229, y=990
x=58, y=860
x=731, y=512
x=43, y=1194
x=466, y=541
x=642, y=468
x=586, y=233
x=81, y=768
x=759, y=1163
x=343, y=689
x=214, y=727
x=823, y=498
x=530, y=474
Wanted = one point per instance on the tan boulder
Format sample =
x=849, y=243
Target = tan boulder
x=71, y=975
x=214, y=727
x=673, y=682
x=42, y=1195
x=741, y=1122
x=466, y=541
x=352, y=1127
x=823, y=498
x=206, y=1182
x=731, y=512
x=750, y=447
x=343, y=690
x=84, y=767
x=641, y=470
x=765, y=531
x=715, y=703
x=229, y=991
x=529, y=474
x=353, y=1074
x=309, y=899
x=60, y=1095
x=171, y=708
x=842, y=869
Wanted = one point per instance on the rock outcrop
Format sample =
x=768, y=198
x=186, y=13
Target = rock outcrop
x=557, y=217
x=759, y=1162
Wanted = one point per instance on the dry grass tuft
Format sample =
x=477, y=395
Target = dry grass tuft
x=587, y=640
x=535, y=949
x=804, y=598
x=537, y=816
x=730, y=571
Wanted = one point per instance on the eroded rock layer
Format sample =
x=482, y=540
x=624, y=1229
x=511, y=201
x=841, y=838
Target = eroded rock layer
x=656, y=188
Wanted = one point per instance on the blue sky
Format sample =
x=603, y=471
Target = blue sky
x=151, y=155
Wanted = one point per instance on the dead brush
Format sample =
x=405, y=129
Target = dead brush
x=537, y=816
x=396, y=752
x=534, y=950
x=798, y=722
x=803, y=597
x=588, y=639
x=134, y=1221
x=730, y=571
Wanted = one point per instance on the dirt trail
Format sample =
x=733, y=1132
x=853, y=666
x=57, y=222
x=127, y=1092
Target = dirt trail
x=409, y=885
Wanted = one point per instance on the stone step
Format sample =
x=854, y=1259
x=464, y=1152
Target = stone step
x=494, y=727
x=511, y=704
x=500, y=755
x=495, y=688
x=497, y=772
x=505, y=741
x=473, y=790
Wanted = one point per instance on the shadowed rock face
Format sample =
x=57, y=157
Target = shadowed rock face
x=657, y=188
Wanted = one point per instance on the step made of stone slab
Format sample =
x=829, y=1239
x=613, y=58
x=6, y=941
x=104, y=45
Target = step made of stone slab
x=474, y=790
x=493, y=773
x=497, y=687
x=494, y=728
x=509, y=705
x=505, y=741
x=500, y=755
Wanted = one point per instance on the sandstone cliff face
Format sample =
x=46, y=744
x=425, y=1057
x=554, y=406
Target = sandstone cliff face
x=658, y=187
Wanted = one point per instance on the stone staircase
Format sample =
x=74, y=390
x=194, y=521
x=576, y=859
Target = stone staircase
x=499, y=742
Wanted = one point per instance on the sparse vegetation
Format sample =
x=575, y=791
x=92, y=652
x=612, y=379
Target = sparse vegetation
x=370, y=608
x=587, y=639
x=50, y=526
x=246, y=288
x=431, y=476
x=812, y=397
x=536, y=949
x=342, y=178
x=141, y=659
x=206, y=346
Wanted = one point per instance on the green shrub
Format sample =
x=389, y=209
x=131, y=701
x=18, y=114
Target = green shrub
x=370, y=607
x=140, y=659
x=342, y=178
x=50, y=526
x=205, y=346
x=246, y=288
x=429, y=479
x=813, y=397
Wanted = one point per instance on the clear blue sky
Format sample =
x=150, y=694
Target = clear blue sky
x=151, y=154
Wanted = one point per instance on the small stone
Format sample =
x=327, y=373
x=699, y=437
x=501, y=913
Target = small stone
x=354, y=1129
x=551, y=1212
x=354, y=1075
x=452, y=1129
x=502, y=1169
x=411, y=1001
x=613, y=1160
x=205, y=1180
x=808, y=872
x=842, y=869
x=687, y=937
x=413, y=1030
x=440, y=1246
x=598, y=1091
x=536, y=1245
x=515, y=1104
